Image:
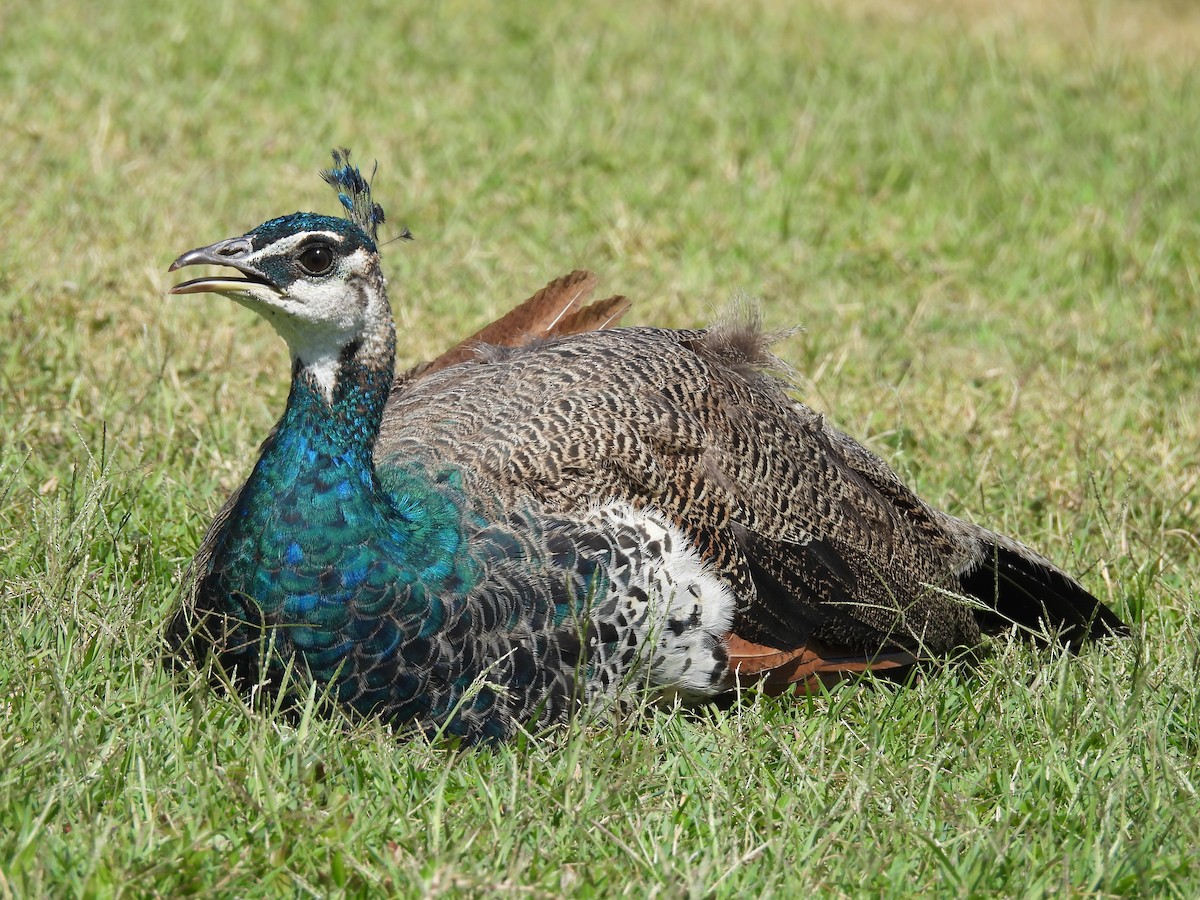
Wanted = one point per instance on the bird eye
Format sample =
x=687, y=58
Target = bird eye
x=316, y=259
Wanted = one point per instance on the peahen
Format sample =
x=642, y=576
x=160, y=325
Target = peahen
x=506, y=536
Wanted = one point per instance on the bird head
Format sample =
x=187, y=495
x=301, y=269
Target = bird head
x=298, y=271
x=315, y=278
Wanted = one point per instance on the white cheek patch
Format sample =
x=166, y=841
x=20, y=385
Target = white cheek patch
x=670, y=616
x=319, y=317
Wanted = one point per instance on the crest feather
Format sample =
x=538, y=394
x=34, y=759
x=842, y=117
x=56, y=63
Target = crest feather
x=355, y=193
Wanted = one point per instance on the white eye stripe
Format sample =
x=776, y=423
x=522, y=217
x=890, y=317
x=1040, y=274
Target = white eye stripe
x=284, y=246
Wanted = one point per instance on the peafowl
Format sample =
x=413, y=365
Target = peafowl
x=514, y=533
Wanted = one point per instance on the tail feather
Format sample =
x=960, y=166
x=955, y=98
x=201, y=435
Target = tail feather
x=540, y=315
x=595, y=316
x=557, y=309
x=1020, y=588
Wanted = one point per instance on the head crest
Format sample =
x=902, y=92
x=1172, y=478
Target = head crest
x=355, y=193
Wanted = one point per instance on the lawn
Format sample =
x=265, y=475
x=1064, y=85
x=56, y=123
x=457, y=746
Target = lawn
x=986, y=218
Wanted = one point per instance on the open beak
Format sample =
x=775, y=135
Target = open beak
x=230, y=253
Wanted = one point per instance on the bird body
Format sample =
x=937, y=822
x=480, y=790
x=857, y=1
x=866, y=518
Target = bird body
x=503, y=535
x=417, y=604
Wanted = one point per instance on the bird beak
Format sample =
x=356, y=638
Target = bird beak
x=231, y=253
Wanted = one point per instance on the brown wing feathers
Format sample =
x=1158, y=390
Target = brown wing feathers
x=838, y=566
x=808, y=667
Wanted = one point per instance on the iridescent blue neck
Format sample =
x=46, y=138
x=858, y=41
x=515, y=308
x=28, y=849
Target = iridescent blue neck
x=346, y=419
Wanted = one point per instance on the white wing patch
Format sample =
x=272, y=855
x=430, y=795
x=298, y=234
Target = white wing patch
x=669, y=615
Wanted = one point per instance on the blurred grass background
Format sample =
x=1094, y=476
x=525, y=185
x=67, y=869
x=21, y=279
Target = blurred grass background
x=983, y=214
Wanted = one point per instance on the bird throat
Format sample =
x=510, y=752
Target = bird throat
x=341, y=398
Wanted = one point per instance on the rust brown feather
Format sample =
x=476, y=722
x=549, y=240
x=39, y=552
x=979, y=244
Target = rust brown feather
x=808, y=667
x=560, y=308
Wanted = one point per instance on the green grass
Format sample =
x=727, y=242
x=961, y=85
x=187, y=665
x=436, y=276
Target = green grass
x=990, y=235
